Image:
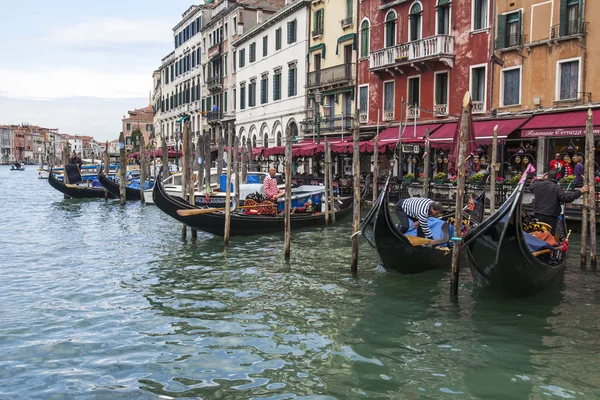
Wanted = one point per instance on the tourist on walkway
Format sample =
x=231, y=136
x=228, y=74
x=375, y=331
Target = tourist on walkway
x=579, y=170
x=558, y=165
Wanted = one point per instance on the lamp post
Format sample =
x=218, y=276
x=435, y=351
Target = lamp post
x=317, y=117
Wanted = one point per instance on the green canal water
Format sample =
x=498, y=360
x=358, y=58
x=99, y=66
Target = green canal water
x=99, y=301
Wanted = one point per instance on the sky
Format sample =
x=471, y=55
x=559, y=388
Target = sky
x=79, y=66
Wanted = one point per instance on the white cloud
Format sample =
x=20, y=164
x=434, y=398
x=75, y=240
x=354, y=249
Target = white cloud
x=53, y=83
x=111, y=31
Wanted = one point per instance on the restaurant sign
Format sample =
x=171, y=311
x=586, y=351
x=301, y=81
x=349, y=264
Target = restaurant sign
x=557, y=132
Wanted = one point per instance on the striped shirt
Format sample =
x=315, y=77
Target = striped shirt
x=417, y=208
x=270, y=186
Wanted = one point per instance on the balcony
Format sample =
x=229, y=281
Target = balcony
x=388, y=115
x=214, y=117
x=364, y=118
x=214, y=83
x=413, y=112
x=347, y=22
x=317, y=33
x=333, y=76
x=478, y=107
x=214, y=51
x=570, y=30
x=440, y=110
x=511, y=42
x=432, y=49
x=337, y=123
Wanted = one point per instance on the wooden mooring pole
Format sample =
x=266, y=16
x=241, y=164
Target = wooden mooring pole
x=189, y=166
x=122, y=170
x=376, y=160
x=185, y=170
x=165, y=157
x=106, y=168
x=228, y=188
x=585, y=210
x=590, y=158
x=200, y=160
x=329, y=163
x=356, y=206
x=426, y=165
x=494, y=171
x=142, y=166
x=460, y=193
x=288, y=194
x=207, y=162
x=244, y=165
x=326, y=198
x=236, y=165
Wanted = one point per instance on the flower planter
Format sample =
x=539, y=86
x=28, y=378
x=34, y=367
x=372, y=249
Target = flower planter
x=476, y=183
x=566, y=186
x=438, y=181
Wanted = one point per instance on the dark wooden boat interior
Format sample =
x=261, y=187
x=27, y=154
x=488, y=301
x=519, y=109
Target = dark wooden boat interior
x=114, y=188
x=75, y=191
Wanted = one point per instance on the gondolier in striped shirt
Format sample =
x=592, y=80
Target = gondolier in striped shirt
x=419, y=209
x=272, y=192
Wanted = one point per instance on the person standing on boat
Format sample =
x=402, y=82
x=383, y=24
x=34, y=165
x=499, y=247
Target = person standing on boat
x=419, y=209
x=76, y=160
x=272, y=192
x=548, y=196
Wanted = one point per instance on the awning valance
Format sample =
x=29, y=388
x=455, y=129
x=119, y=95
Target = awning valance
x=320, y=46
x=484, y=131
x=349, y=36
x=568, y=124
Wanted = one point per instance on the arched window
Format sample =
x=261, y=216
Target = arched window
x=415, y=18
x=443, y=17
x=253, y=141
x=266, y=141
x=278, y=139
x=390, y=29
x=364, y=39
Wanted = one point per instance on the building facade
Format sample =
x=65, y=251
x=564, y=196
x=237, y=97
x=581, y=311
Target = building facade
x=6, y=144
x=271, y=77
x=418, y=58
x=140, y=118
x=331, y=66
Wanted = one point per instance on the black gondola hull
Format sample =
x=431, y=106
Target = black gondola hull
x=241, y=225
x=75, y=192
x=114, y=188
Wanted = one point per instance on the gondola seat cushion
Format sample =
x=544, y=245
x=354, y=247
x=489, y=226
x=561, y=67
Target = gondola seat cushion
x=536, y=244
x=435, y=225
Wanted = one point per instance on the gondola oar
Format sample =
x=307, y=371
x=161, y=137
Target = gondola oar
x=187, y=213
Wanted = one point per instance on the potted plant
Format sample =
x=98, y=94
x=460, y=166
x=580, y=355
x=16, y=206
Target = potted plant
x=476, y=179
x=597, y=179
x=514, y=181
x=453, y=180
x=568, y=182
x=409, y=178
x=500, y=180
x=439, y=178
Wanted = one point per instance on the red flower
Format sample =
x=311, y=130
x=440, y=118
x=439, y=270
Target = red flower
x=597, y=179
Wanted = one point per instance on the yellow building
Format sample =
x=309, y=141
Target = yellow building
x=331, y=71
x=547, y=54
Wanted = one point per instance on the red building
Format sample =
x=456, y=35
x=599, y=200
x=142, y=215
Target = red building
x=426, y=53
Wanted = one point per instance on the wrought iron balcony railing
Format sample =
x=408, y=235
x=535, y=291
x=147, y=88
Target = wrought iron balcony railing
x=571, y=28
x=339, y=74
x=342, y=122
x=214, y=116
x=346, y=22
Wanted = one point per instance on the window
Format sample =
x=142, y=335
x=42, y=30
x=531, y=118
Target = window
x=264, y=94
x=277, y=86
x=388, y=96
x=414, y=91
x=292, y=81
x=225, y=59
x=235, y=27
x=226, y=30
x=291, y=32
x=234, y=59
x=318, y=22
x=511, y=87
x=478, y=88
x=364, y=39
x=242, y=54
x=252, y=94
x=570, y=17
x=128, y=126
x=568, y=80
x=225, y=101
x=252, y=51
x=242, y=97
x=234, y=99
x=363, y=103
x=415, y=19
x=443, y=17
x=509, y=30
x=390, y=29
x=265, y=45
x=441, y=91
x=480, y=14
x=277, y=38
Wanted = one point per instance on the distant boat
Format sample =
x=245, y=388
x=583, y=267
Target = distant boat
x=17, y=167
x=76, y=191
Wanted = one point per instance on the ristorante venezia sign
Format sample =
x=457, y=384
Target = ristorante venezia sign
x=557, y=132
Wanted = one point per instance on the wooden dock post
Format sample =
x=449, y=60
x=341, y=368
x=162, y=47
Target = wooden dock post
x=376, y=160
x=106, y=168
x=220, y=145
x=460, y=193
x=228, y=188
x=200, y=155
x=426, y=165
x=142, y=167
x=494, y=172
x=329, y=163
x=327, y=201
x=356, y=206
x=207, y=163
x=189, y=166
x=236, y=165
x=122, y=169
x=244, y=165
x=165, y=157
x=250, y=158
x=186, y=138
x=288, y=194
x=590, y=158
x=585, y=208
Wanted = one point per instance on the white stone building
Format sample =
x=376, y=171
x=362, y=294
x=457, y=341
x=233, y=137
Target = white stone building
x=271, y=76
x=75, y=144
x=7, y=136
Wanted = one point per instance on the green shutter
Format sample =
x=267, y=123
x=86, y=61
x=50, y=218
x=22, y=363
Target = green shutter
x=322, y=20
x=349, y=7
x=315, y=19
x=225, y=102
x=289, y=32
x=564, y=18
x=502, y=20
x=520, y=28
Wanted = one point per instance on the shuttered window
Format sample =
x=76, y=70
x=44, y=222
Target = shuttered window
x=291, y=32
x=318, y=22
x=569, y=80
x=292, y=90
x=278, y=39
x=252, y=94
x=242, y=98
x=478, y=84
x=415, y=21
x=225, y=101
x=252, y=55
x=277, y=86
x=264, y=93
x=414, y=91
x=480, y=14
x=390, y=29
x=388, y=96
x=441, y=89
x=265, y=45
x=443, y=17
x=363, y=103
x=364, y=39
x=570, y=17
x=242, y=54
x=234, y=99
x=511, y=88
x=509, y=30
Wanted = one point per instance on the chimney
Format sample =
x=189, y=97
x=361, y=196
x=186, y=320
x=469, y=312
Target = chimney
x=240, y=28
x=259, y=15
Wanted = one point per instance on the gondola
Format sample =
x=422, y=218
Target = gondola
x=75, y=191
x=17, y=167
x=241, y=224
x=114, y=188
x=499, y=255
x=395, y=249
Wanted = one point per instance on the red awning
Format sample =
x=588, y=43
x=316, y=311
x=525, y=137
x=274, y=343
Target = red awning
x=484, y=131
x=304, y=148
x=567, y=124
x=389, y=137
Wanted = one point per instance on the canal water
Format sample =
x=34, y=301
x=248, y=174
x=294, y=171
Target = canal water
x=100, y=301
